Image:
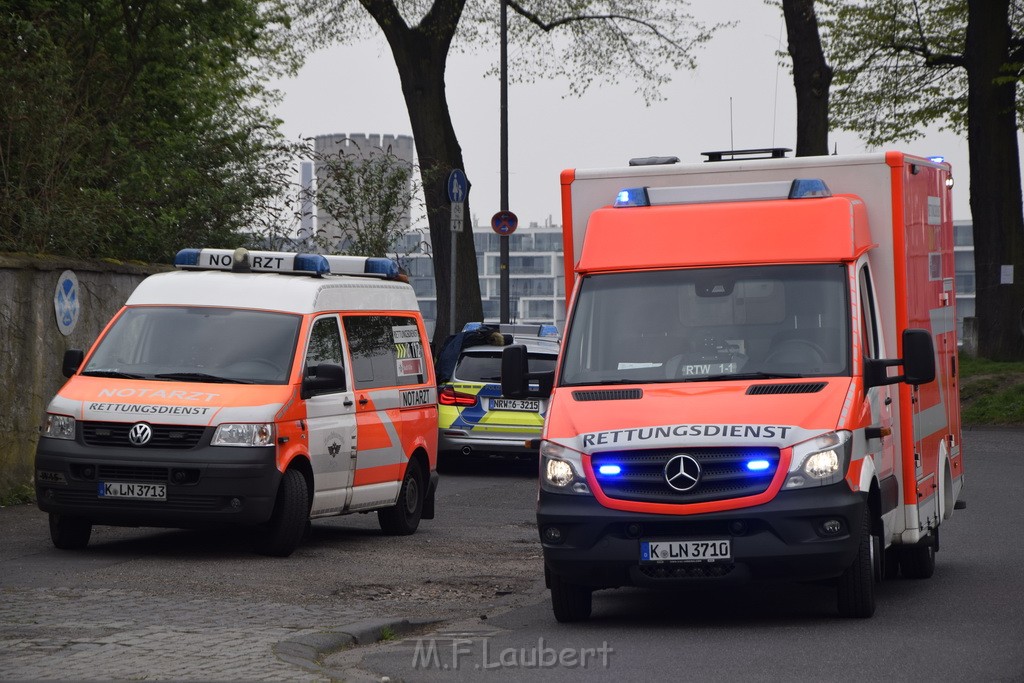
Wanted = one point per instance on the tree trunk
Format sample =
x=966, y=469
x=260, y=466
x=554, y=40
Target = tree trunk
x=421, y=55
x=995, y=181
x=812, y=77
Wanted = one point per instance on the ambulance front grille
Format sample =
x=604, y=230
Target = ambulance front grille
x=797, y=388
x=115, y=434
x=724, y=474
x=608, y=395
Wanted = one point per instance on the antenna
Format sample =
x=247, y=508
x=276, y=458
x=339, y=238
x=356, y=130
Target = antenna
x=778, y=66
x=732, y=145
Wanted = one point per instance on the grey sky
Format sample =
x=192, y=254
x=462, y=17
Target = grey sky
x=355, y=89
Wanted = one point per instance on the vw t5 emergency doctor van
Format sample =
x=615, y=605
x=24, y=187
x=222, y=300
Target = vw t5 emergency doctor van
x=247, y=388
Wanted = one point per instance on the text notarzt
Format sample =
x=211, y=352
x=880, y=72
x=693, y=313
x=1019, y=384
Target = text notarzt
x=478, y=653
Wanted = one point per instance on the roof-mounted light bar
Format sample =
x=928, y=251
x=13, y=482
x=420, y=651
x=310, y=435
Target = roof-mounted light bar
x=800, y=188
x=538, y=330
x=245, y=260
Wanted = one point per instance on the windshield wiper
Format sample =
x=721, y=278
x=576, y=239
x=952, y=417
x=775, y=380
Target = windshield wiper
x=745, y=375
x=112, y=373
x=200, y=377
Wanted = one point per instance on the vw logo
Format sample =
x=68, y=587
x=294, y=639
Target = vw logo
x=682, y=472
x=140, y=434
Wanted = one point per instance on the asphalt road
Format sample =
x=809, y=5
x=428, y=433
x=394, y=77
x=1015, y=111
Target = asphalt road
x=185, y=605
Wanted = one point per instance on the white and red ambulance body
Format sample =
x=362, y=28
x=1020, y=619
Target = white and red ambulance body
x=724, y=408
x=286, y=388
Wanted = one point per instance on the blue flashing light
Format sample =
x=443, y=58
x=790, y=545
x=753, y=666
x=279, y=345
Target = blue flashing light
x=381, y=266
x=187, y=257
x=806, y=188
x=937, y=159
x=632, y=196
x=548, y=331
x=609, y=470
x=312, y=263
x=758, y=465
x=471, y=327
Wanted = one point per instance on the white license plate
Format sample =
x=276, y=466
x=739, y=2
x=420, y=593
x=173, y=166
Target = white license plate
x=124, y=489
x=531, y=405
x=712, y=550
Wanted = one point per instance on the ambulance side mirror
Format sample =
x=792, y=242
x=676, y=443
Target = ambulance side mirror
x=918, y=362
x=72, y=361
x=324, y=378
x=516, y=379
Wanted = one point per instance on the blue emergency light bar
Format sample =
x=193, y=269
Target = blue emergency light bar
x=245, y=260
x=799, y=188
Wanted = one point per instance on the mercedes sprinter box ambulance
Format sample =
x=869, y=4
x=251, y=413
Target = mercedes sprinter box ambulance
x=758, y=379
x=247, y=388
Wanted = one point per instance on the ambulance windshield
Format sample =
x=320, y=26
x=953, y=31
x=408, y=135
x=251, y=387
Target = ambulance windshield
x=198, y=344
x=709, y=324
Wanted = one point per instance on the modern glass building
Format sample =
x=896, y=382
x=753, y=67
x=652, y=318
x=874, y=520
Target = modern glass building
x=536, y=274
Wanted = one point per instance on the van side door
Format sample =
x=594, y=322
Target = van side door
x=331, y=421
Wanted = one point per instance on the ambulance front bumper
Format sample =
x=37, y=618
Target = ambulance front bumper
x=202, y=486
x=782, y=539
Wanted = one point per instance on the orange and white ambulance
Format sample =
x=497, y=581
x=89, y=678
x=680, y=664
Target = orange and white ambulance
x=247, y=388
x=758, y=379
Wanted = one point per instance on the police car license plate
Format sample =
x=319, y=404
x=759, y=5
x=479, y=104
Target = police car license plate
x=712, y=550
x=526, y=404
x=123, y=489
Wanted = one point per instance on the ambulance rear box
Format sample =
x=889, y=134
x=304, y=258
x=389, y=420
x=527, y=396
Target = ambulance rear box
x=261, y=389
x=758, y=379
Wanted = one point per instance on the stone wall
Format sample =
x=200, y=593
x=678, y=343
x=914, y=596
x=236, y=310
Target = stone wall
x=32, y=344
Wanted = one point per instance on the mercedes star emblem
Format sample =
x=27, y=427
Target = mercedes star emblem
x=682, y=472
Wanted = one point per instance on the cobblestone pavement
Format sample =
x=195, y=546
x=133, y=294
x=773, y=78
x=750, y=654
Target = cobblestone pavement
x=104, y=634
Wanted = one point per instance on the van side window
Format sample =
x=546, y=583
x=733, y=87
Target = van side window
x=324, y=343
x=387, y=350
x=868, y=323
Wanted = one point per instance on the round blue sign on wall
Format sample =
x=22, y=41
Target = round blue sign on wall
x=65, y=302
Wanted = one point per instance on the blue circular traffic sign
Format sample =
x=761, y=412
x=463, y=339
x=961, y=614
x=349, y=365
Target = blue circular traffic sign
x=504, y=222
x=458, y=186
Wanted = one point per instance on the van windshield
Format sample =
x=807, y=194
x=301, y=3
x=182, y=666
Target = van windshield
x=709, y=324
x=198, y=344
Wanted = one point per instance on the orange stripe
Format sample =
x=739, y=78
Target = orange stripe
x=379, y=474
x=569, y=257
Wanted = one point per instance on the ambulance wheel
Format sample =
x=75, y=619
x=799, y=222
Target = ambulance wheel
x=69, y=533
x=856, y=588
x=403, y=518
x=287, y=524
x=570, y=601
x=917, y=561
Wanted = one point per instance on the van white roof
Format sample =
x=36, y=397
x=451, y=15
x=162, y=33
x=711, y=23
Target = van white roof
x=274, y=292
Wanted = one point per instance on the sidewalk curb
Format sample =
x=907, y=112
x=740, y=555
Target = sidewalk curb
x=308, y=651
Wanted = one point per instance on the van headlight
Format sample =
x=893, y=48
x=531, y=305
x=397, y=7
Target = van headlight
x=820, y=461
x=561, y=470
x=259, y=434
x=58, y=426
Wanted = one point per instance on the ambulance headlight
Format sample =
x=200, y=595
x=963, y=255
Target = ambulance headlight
x=561, y=470
x=58, y=426
x=244, y=435
x=820, y=461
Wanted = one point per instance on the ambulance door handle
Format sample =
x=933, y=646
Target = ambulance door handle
x=347, y=403
x=363, y=400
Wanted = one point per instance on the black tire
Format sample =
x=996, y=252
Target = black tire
x=570, y=601
x=855, y=591
x=69, y=533
x=403, y=518
x=917, y=561
x=287, y=525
